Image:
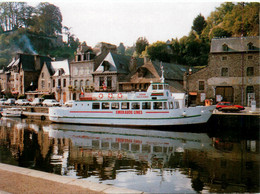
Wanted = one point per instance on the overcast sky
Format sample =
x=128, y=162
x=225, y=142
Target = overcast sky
x=116, y=21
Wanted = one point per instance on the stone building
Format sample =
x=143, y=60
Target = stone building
x=21, y=75
x=113, y=70
x=55, y=78
x=81, y=71
x=231, y=75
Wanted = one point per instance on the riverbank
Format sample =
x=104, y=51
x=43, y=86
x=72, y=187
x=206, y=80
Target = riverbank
x=22, y=180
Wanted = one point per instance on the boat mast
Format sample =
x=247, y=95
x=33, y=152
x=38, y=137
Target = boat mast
x=162, y=77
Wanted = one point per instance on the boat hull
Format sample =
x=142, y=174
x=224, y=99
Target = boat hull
x=187, y=116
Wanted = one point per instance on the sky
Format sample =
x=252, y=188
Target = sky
x=116, y=21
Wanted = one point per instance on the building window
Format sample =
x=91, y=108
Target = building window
x=64, y=82
x=59, y=82
x=53, y=83
x=250, y=71
x=109, y=82
x=250, y=57
x=76, y=83
x=42, y=75
x=87, y=82
x=81, y=83
x=224, y=72
x=225, y=47
x=201, y=85
x=43, y=84
x=101, y=81
x=249, y=89
x=224, y=58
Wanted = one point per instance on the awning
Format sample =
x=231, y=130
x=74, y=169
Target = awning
x=15, y=92
x=193, y=93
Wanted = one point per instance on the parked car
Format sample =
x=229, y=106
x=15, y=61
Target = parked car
x=37, y=102
x=50, y=102
x=22, y=102
x=10, y=101
x=228, y=106
x=69, y=103
x=2, y=100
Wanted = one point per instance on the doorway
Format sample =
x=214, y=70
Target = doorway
x=226, y=92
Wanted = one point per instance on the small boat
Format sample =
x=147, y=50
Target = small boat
x=12, y=112
x=155, y=107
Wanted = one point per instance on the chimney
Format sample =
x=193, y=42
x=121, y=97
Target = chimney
x=133, y=64
x=146, y=59
x=37, y=64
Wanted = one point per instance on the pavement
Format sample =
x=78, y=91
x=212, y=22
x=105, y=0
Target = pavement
x=22, y=180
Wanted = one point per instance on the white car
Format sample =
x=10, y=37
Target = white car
x=22, y=102
x=50, y=102
x=69, y=103
x=37, y=101
x=10, y=101
x=2, y=100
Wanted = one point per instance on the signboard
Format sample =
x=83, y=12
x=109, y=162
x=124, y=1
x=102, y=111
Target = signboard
x=202, y=97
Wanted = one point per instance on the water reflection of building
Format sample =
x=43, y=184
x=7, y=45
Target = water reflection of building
x=214, y=164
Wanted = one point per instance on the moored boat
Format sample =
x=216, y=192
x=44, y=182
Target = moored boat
x=155, y=107
x=12, y=112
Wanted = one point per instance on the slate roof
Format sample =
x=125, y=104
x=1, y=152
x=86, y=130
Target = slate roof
x=171, y=71
x=55, y=65
x=28, y=61
x=235, y=44
x=122, y=62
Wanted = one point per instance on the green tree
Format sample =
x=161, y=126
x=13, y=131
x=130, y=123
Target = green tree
x=140, y=45
x=199, y=24
x=159, y=51
x=49, y=19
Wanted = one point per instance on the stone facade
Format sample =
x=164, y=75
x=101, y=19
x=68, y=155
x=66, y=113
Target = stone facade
x=231, y=75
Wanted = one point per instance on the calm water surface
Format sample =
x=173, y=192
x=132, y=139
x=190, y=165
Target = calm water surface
x=147, y=160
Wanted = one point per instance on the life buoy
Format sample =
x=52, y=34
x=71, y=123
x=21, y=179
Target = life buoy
x=110, y=95
x=100, y=95
x=119, y=95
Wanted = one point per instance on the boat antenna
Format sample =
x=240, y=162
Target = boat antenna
x=162, y=77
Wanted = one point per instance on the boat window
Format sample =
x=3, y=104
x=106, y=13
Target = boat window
x=160, y=87
x=171, y=105
x=95, y=105
x=125, y=105
x=105, y=105
x=115, y=105
x=157, y=105
x=154, y=87
x=135, y=105
x=146, y=105
x=165, y=105
x=176, y=105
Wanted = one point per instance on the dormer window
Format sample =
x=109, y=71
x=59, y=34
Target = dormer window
x=250, y=46
x=225, y=47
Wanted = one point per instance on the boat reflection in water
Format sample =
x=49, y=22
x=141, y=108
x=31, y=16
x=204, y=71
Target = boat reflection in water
x=147, y=160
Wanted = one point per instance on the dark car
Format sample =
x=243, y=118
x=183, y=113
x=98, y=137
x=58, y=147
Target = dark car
x=228, y=106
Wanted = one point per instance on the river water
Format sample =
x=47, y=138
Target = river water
x=154, y=161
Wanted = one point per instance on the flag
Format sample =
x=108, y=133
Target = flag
x=82, y=91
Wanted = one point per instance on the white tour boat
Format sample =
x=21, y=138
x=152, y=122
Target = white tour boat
x=155, y=107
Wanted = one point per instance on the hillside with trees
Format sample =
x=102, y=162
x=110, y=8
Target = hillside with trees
x=33, y=30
